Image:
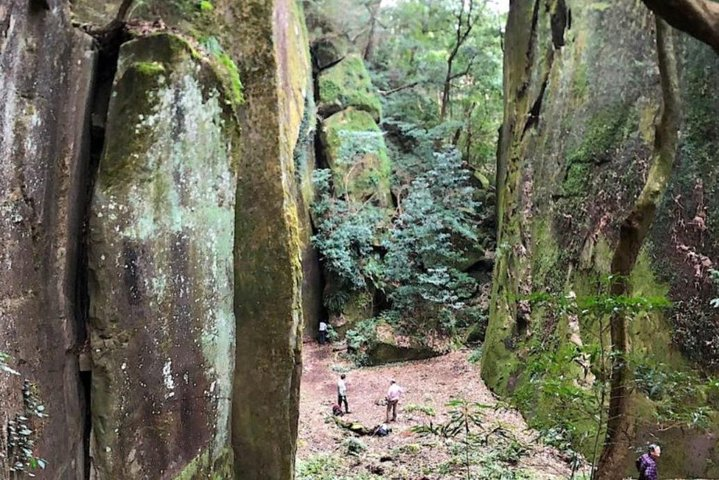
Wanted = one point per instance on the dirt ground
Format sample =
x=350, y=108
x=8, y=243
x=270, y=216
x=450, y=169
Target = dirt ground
x=428, y=384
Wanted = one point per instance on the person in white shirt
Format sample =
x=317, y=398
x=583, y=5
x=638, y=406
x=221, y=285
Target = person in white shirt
x=342, y=393
x=393, y=394
x=323, y=332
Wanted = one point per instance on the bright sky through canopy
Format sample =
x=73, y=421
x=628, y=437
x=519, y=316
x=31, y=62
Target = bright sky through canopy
x=500, y=6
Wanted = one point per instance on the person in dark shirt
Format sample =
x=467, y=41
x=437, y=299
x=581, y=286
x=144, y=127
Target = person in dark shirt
x=647, y=463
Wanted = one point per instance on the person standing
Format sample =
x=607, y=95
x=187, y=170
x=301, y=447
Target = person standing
x=342, y=393
x=323, y=332
x=647, y=463
x=393, y=394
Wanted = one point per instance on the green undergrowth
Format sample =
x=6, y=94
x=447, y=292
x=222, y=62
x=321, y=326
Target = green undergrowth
x=561, y=382
x=328, y=467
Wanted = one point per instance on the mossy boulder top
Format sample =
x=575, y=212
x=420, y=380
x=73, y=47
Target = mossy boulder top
x=348, y=84
x=357, y=155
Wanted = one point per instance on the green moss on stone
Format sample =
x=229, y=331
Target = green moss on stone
x=348, y=84
x=580, y=82
x=357, y=154
x=203, y=467
x=604, y=133
x=149, y=68
x=577, y=180
x=232, y=75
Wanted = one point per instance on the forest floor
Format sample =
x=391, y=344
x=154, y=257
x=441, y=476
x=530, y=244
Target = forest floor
x=511, y=449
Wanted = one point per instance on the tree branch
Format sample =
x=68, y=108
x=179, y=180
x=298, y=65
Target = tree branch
x=698, y=18
x=117, y=23
x=385, y=93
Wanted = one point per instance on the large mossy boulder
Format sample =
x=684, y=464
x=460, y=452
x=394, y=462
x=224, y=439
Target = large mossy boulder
x=578, y=137
x=356, y=152
x=391, y=346
x=161, y=262
x=348, y=84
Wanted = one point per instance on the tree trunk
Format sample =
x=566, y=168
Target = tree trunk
x=619, y=437
x=446, y=89
x=373, y=9
x=698, y=18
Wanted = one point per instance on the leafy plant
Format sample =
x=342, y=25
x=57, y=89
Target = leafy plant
x=4, y=367
x=414, y=259
x=425, y=409
x=568, y=382
x=465, y=431
x=21, y=429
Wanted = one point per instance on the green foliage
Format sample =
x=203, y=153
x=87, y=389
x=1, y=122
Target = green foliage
x=411, y=61
x=21, y=429
x=465, y=432
x=4, y=367
x=354, y=446
x=413, y=261
x=346, y=234
x=425, y=409
x=360, y=338
x=678, y=395
x=438, y=216
x=327, y=467
x=564, y=386
x=22, y=433
x=475, y=356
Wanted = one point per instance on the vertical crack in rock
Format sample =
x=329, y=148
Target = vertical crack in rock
x=108, y=47
x=560, y=21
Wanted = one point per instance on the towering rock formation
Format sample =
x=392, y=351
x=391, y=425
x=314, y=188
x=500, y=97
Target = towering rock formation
x=46, y=80
x=588, y=141
x=268, y=269
x=151, y=234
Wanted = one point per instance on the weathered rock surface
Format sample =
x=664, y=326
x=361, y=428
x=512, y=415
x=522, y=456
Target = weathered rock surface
x=581, y=105
x=305, y=165
x=161, y=313
x=46, y=76
x=275, y=70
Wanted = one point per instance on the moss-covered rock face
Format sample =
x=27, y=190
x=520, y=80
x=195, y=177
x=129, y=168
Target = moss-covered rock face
x=275, y=70
x=161, y=312
x=348, y=84
x=356, y=152
x=577, y=140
